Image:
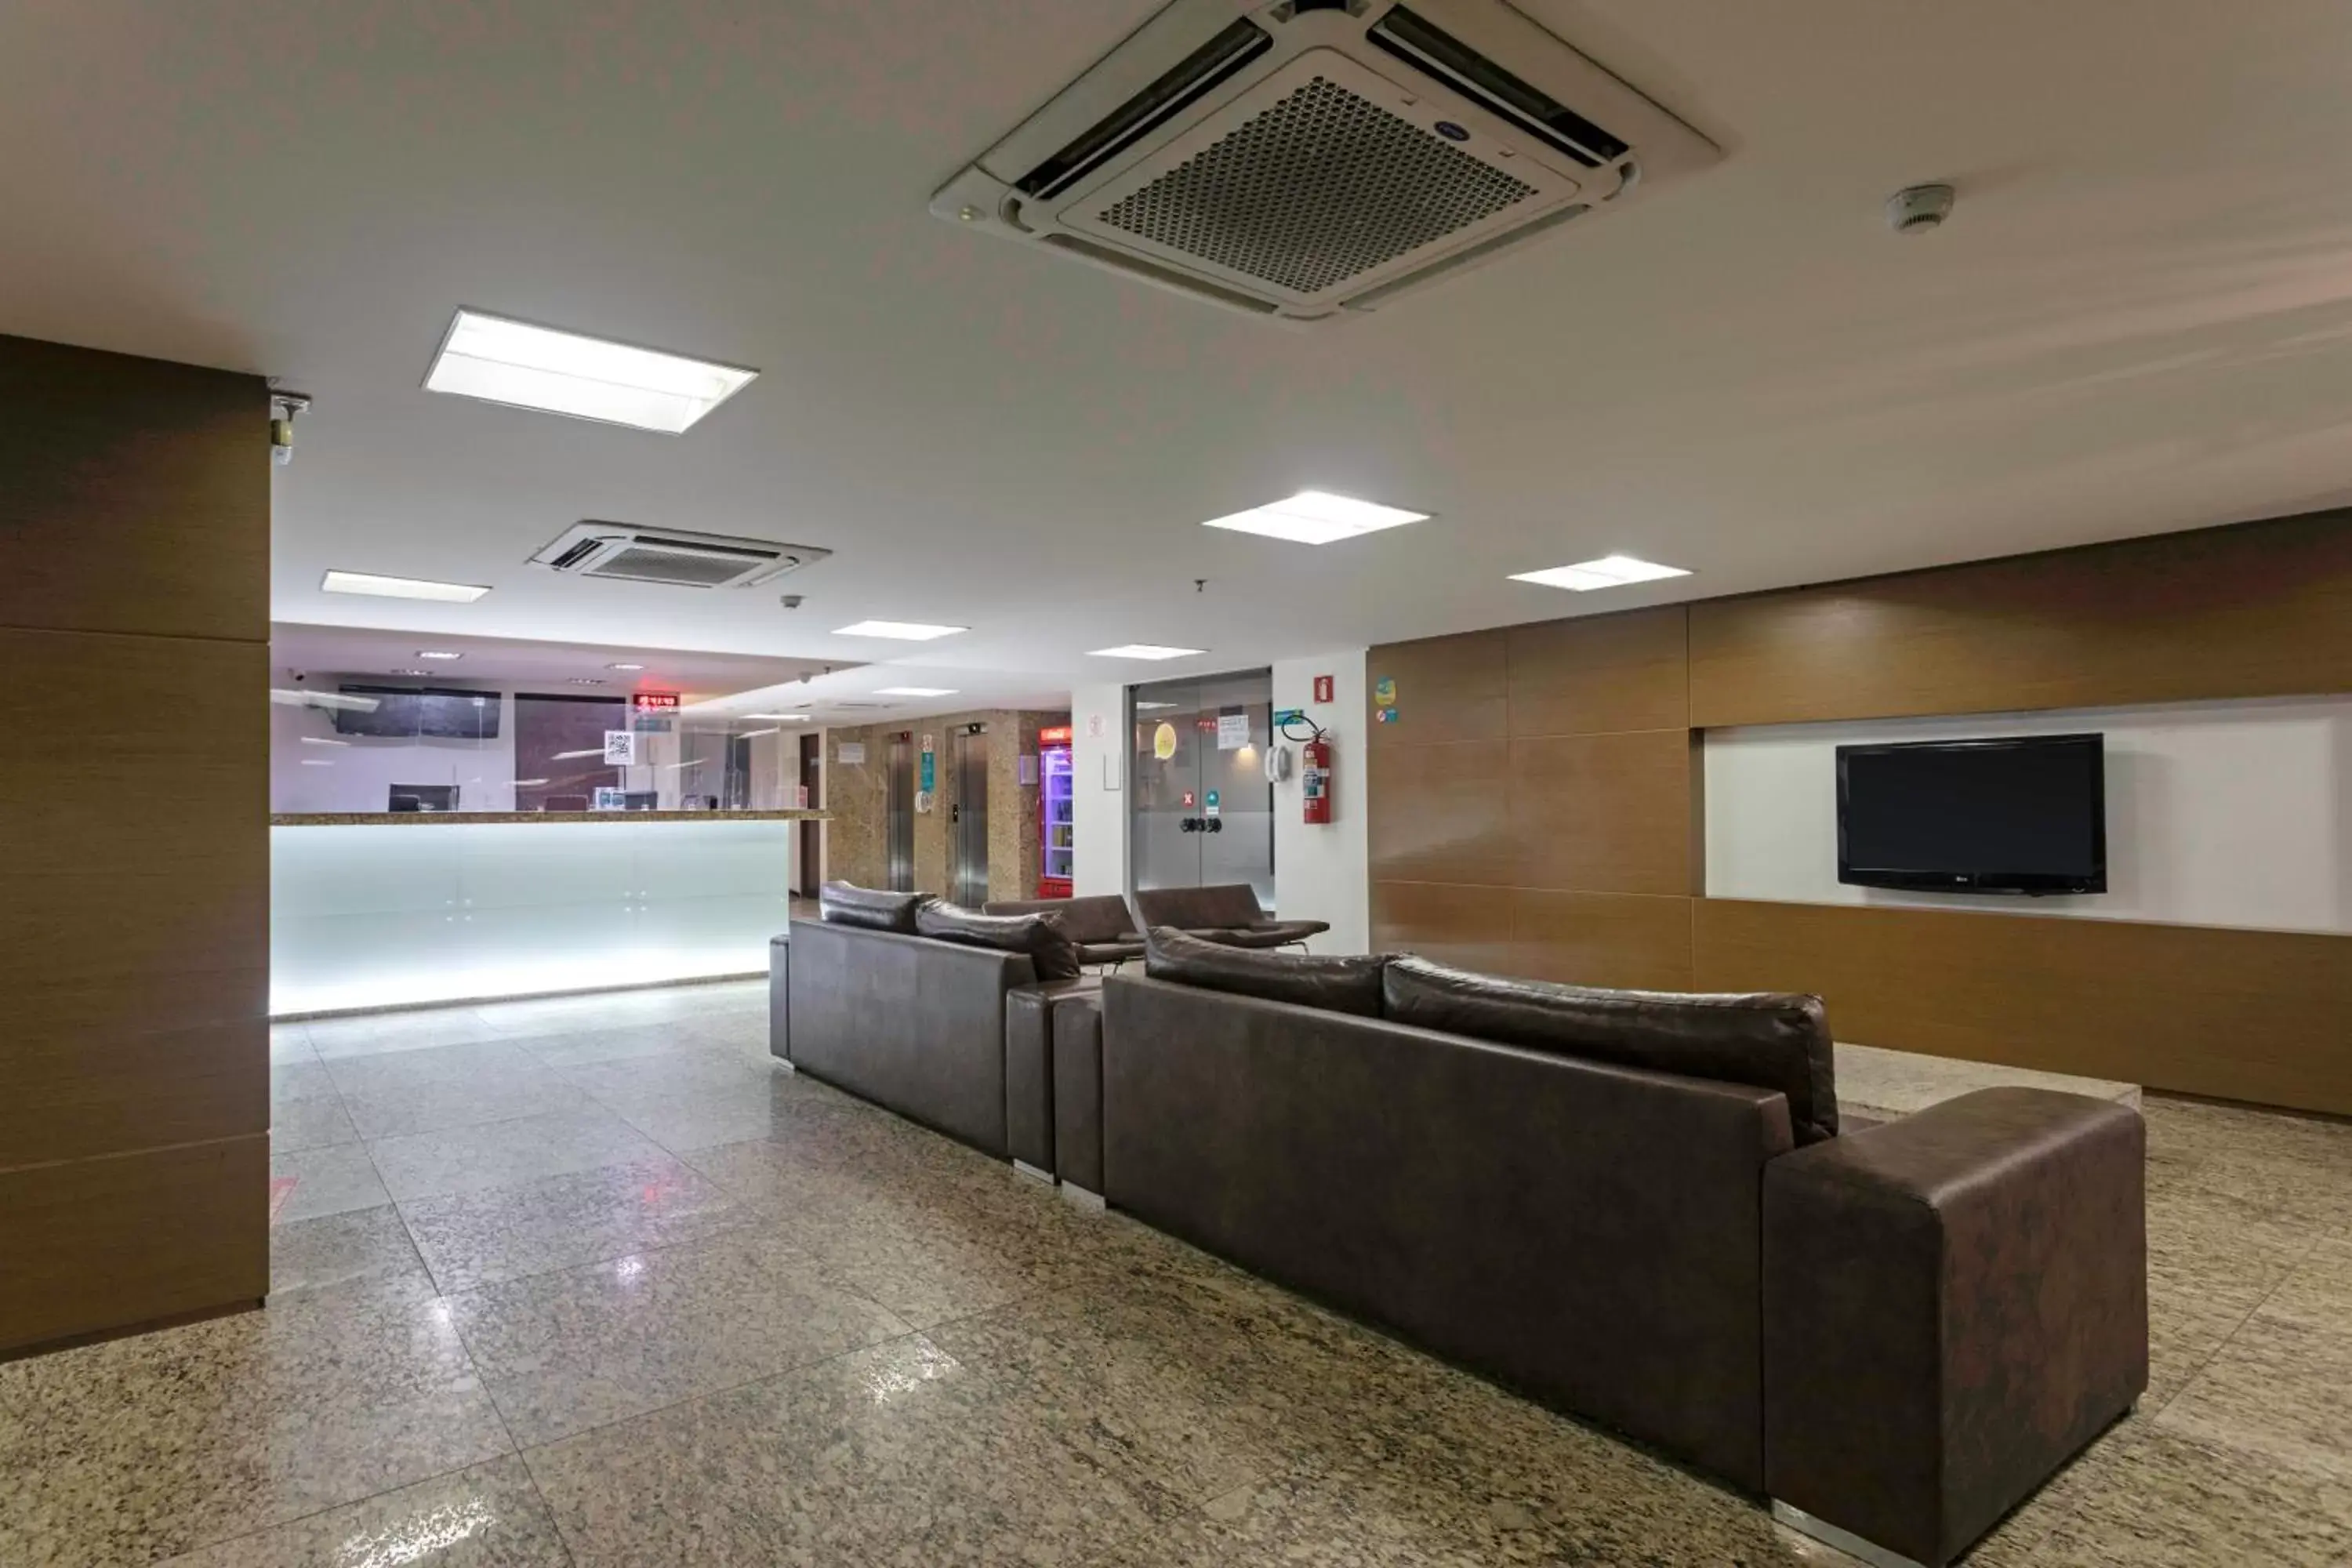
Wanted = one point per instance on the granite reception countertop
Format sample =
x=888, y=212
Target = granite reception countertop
x=465, y=818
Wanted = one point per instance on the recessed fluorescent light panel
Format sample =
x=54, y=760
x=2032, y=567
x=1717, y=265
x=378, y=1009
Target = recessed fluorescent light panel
x=438, y=656
x=400, y=588
x=514, y=363
x=786, y=718
x=410, y=672
x=915, y=691
x=624, y=666
x=905, y=631
x=1317, y=517
x=1609, y=571
x=1144, y=651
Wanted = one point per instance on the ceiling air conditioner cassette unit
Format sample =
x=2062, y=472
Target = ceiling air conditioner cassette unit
x=1317, y=157
x=624, y=553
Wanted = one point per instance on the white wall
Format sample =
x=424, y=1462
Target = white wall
x=1097, y=813
x=357, y=775
x=1323, y=873
x=2219, y=814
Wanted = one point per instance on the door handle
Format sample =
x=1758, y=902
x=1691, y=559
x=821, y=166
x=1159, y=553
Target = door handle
x=1188, y=824
x=1214, y=824
x=955, y=813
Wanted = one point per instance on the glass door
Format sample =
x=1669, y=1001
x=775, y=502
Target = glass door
x=1200, y=810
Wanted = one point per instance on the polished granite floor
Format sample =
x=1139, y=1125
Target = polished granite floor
x=590, y=1281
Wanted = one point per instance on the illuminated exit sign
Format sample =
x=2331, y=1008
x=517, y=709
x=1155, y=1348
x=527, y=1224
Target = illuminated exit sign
x=656, y=701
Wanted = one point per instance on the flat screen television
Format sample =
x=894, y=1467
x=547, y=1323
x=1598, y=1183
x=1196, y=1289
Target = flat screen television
x=2026, y=815
x=408, y=713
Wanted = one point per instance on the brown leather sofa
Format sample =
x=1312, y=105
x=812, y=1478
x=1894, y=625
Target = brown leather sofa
x=1100, y=924
x=1897, y=1334
x=916, y=1023
x=1227, y=913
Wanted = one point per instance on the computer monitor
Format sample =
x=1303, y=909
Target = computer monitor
x=643, y=799
x=424, y=797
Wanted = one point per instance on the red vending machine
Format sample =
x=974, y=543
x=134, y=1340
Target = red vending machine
x=1053, y=781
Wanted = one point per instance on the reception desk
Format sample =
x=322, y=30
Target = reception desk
x=386, y=910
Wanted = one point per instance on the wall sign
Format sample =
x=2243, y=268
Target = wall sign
x=1054, y=735
x=1163, y=741
x=850, y=753
x=620, y=748
x=1094, y=726
x=1232, y=730
x=930, y=770
x=654, y=701
x=1209, y=806
x=1384, y=691
x=610, y=799
x=1322, y=688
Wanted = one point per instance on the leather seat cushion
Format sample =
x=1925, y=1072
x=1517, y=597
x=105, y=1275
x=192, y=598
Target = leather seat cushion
x=873, y=909
x=1349, y=984
x=1768, y=1041
x=1041, y=936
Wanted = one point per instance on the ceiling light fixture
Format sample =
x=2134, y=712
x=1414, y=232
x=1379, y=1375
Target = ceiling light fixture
x=524, y=366
x=317, y=763
x=418, y=673
x=1608, y=571
x=905, y=631
x=1317, y=517
x=914, y=691
x=1142, y=707
x=439, y=656
x=786, y=718
x=400, y=588
x=751, y=734
x=587, y=680
x=1144, y=651
x=624, y=666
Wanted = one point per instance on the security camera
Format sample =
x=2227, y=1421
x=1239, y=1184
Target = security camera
x=806, y=677
x=791, y=600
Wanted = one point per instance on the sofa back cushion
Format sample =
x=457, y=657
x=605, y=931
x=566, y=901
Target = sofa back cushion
x=1100, y=917
x=874, y=909
x=1222, y=906
x=1041, y=936
x=1337, y=984
x=1769, y=1040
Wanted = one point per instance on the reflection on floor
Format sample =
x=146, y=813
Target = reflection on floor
x=590, y=1281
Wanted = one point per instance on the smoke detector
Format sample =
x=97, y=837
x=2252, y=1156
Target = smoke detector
x=1918, y=209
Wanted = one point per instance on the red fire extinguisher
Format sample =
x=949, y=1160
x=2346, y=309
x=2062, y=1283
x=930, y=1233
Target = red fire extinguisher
x=1315, y=778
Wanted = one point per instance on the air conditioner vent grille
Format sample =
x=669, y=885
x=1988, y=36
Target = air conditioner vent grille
x=687, y=568
x=1320, y=187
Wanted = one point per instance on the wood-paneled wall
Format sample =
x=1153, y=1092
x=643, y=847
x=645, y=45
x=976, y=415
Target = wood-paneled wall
x=134, y=1089
x=1532, y=800
x=1535, y=802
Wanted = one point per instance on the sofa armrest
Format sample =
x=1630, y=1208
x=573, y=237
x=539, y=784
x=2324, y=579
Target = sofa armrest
x=780, y=1023
x=1029, y=1015
x=1078, y=1093
x=1954, y=1304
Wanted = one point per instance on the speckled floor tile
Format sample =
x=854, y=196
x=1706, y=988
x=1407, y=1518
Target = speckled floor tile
x=373, y=1034
x=2174, y=1501
x=300, y=1125
x=137, y=1448
x=577, y=1047
x=564, y=1352
x=299, y=1081
x=490, y=1516
x=506, y=1154
x=433, y=1104
x=704, y=1071
x=363, y=1257
x=472, y=1240
x=289, y=1044
x=2281, y=1388
x=893, y=1455
x=334, y=1179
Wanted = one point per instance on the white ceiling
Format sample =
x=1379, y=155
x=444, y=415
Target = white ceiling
x=2139, y=319
x=728, y=681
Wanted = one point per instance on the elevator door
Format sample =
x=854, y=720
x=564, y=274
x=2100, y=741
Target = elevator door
x=899, y=813
x=968, y=820
x=1200, y=811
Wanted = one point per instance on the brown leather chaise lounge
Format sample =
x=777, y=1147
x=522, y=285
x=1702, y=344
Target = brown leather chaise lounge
x=1226, y=912
x=1636, y=1207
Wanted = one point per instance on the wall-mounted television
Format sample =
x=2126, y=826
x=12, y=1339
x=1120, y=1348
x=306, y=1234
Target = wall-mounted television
x=409, y=712
x=2023, y=815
